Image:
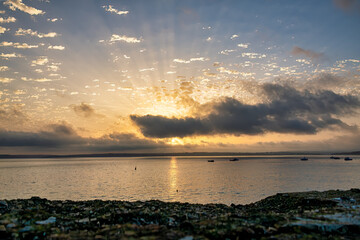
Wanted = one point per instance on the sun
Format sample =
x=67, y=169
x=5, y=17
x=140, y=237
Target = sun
x=176, y=141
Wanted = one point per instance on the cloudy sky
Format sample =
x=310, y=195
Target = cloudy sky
x=172, y=76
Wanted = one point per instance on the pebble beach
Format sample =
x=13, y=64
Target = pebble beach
x=331, y=214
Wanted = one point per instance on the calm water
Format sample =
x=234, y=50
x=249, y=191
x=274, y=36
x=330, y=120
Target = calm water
x=185, y=179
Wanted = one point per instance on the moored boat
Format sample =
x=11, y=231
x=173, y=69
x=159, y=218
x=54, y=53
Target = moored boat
x=304, y=159
x=234, y=159
x=211, y=160
x=347, y=159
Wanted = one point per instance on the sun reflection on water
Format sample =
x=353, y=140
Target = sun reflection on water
x=173, y=173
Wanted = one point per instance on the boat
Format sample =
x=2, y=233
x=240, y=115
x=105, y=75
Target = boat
x=304, y=159
x=211, y=160
x=332, y=157
x=347, y=159
x=233, y=159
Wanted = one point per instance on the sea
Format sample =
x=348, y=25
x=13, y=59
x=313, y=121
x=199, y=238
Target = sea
x=181, y=179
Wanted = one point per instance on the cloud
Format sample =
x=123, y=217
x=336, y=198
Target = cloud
x=7, y=20
x=54, y=67
x=2, y=29
x=40, y=61
x=234, y=36
x=36, y=79
x=117, y=38
x=227, y=51
x=5, y=80
x=110, y=8
x=18, y=45
x=347, y=5
x=298, y=51
x=11, y=115
x=23, y=32
x=243, y=45
x=285, y=110
x=4, y=68
x=146, y=69
x=55, y=135
x=18, y=4
x=59, y=47
x=253, y=55
x=53, y=19
x=201, y=59
x=228, y=71
x=85, y=110
x=63, y=139
x=10, y=55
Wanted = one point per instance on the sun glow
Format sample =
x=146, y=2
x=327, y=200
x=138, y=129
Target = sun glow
x=176, y=141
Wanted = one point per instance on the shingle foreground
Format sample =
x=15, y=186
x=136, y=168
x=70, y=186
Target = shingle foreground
x=332, y=214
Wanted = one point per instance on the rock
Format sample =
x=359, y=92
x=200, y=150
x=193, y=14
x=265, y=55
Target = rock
x=187, y=238
x=26, y=229
x=47, y=221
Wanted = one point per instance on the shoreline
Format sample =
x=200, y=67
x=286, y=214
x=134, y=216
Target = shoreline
x=179, y=154
x=330, y=214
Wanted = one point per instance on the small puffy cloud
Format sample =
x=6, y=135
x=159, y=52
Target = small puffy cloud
x=201, y=59
x=84, y=110
x=5, y=80
x=228, y=71
x=4, y=68
x=2, y=29
x=216, y=64
x=17, y=45
x=41, y=80
x=298, y=51
x=54, y=67
x=123, y=38
x=146, y=69
x=59, y=47
x=178, y=60
x=23, y=32
x=243, y=45
x=53, y=19
x=40, y=61
x=227, y=51
x=10, y=55
x=7, y=20
x=110, y=8
x=18, y=4
x=234, y=36
x=253, y=55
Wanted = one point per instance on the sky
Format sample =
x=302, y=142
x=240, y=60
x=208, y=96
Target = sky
x=95, y=76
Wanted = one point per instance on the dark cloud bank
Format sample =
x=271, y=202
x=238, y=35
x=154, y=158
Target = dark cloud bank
x=62, y=138
x=285, y=110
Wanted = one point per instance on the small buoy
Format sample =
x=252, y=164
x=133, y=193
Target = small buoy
x=177, y=190
x=135, y=168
